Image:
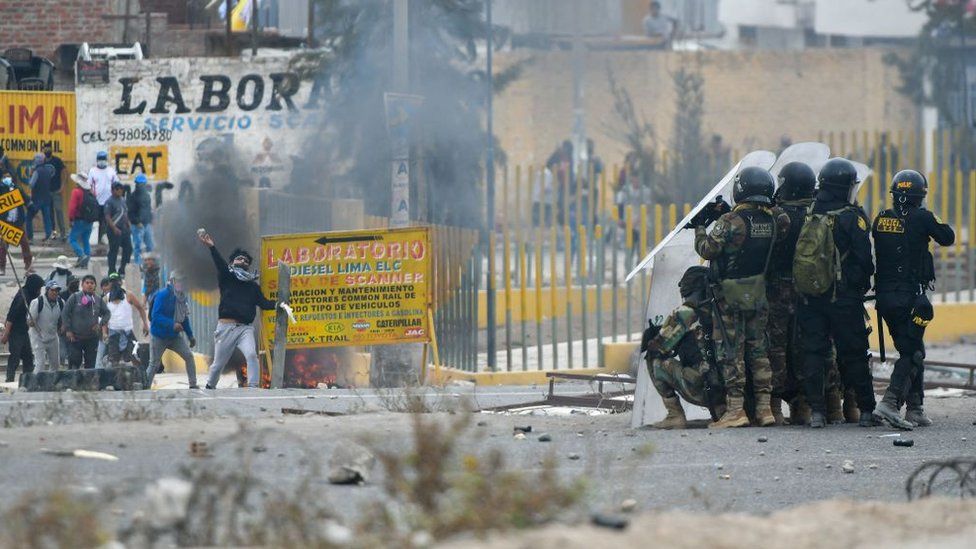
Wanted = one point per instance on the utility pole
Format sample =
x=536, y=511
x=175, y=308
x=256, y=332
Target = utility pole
x=400, y=183
x=254, y=28
x=227, y=9
x=490, y=201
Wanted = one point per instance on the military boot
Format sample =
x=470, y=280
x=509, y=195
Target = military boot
x=916, y=415
x=887, y=410
x=817, y=420
x=734, y=415
x=851, y=412
x=835, y=410
x=764, y=413
x=676, y=415
x=799, y=411
x=776, y=407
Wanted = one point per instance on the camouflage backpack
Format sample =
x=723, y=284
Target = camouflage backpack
x=817, y=262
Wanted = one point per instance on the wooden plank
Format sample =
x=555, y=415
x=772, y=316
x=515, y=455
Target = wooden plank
x=281, y=328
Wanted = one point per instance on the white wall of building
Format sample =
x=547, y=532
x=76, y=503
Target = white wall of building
x=251, y=115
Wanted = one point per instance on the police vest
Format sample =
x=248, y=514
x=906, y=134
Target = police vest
x=750, y=258
x=696, y=346
x=901, y=247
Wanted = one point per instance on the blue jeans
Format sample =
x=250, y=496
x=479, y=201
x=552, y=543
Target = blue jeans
x=46, y=214
x=80, y=237
x=141, y=235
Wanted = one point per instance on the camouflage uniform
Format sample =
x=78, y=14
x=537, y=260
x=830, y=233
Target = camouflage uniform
x=746, y=343
x=681, y=361
x=785, y=352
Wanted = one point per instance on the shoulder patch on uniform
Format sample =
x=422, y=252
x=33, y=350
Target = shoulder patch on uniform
x=862, y=223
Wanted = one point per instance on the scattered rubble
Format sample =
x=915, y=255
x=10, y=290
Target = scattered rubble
x=350, y=464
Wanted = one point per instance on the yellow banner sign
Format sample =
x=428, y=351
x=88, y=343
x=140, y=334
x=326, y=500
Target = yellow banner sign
x=152, y=160
x=11, y=200
x=10, y=234
x=365, y=287
x=31, y=120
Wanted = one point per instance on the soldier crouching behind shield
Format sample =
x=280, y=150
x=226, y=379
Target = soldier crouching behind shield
x=680, y=357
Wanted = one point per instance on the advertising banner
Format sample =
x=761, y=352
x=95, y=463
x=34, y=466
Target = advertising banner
x=366, y=287
x=30, y=120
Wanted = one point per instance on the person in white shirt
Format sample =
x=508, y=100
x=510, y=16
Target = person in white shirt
x=121, y=339
x=101, y=177
x=659, y=27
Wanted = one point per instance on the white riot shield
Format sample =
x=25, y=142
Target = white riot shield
x=762, y=159
x=810, y=153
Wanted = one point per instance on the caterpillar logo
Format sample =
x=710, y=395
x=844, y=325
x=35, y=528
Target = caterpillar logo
x=890, y=225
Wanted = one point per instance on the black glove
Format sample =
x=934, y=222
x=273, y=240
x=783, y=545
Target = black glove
x=649, y=334
x=709, y=213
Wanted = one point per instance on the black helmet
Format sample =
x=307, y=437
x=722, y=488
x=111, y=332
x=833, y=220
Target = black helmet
x=753, y=184
x=909, y=187
x=693, y=281
x=838, y=172
x=796, y=182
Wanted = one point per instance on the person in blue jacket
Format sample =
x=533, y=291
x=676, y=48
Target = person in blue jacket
x=169, y=320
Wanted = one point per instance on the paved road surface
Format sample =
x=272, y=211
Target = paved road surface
x=152, y=432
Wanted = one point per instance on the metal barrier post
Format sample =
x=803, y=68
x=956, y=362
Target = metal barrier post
x=600, y=267
x=582, y=284
x=538, y=292
x=568, y=264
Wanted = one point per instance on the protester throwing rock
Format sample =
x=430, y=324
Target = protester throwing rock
x=240, y=295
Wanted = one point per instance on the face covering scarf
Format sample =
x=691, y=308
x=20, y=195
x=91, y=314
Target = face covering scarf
x=243, y=274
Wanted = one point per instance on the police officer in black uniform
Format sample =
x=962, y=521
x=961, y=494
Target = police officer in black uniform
x=905, y=272
x=839, y=313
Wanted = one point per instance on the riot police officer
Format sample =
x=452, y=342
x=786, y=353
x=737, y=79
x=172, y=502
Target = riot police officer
x=905, y=271
x=740, y=247
x=838, y=311
x=794, y=195
x=680, y=355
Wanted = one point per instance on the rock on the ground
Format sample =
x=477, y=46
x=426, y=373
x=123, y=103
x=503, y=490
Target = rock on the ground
x=168, y=498
x=350, y=464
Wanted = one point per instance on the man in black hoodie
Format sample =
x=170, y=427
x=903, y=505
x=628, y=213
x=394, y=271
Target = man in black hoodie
x=838, y=313
x=15, y=328
x=240, y=295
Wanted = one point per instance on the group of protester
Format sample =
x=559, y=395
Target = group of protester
x=64, y=320
x=778, y=315
x=124, y=217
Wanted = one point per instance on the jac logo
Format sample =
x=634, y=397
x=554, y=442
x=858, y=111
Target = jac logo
x=333, y=327
x=414, y=332
x=360, y=325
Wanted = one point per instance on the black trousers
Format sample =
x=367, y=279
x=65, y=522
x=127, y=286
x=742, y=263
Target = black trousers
x=843, y=320
x=20, y=353
x=116, y=241
x=907, y=377
x=82, y=350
